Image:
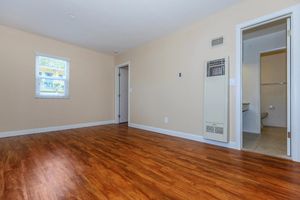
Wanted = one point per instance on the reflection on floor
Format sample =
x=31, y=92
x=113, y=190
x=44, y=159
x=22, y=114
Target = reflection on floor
x=272, y=141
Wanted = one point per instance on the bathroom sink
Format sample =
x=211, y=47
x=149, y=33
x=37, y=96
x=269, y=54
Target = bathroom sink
x=246, y=107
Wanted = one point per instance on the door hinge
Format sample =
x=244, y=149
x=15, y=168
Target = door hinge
x=289, y=135
x=289, y=33
x=119, y=95
x=119, y=74
x=119, y=116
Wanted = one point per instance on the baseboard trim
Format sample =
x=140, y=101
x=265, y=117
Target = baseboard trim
x=53, y=128
x=188, y=136
x=251, y=131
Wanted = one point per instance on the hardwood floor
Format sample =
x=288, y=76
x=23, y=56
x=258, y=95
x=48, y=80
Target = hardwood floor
x=117, y=162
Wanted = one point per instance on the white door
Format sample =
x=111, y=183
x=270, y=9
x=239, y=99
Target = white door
x=289, y=86
x=123, y=94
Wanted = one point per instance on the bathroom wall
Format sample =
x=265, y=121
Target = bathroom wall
x=274, y=97
x=251, y=75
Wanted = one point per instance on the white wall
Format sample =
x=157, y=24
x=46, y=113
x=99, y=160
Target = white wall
x=251, y=76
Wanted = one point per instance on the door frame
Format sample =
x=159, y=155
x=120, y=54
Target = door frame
x=294, y=14
x=117, y=90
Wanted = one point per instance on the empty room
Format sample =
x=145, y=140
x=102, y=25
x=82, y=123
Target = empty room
x=140, y=99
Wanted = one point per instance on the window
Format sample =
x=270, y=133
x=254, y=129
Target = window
x=52, y=77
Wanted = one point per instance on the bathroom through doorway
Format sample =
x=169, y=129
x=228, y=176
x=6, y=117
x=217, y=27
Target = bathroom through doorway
x=266, y=89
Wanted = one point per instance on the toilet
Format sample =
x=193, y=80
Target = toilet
x=263, y=116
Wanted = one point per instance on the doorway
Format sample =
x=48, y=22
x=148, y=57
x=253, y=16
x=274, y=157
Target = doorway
x=122, y=94
x=266, y=88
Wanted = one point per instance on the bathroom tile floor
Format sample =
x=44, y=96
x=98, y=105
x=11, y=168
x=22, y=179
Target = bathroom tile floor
x=272, y=141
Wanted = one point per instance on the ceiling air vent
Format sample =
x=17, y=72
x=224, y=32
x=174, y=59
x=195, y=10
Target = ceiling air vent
x=217, y=42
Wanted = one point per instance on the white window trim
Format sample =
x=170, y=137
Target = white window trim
x=37, y=78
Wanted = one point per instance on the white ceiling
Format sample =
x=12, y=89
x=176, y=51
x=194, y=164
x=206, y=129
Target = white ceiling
x=105, y=25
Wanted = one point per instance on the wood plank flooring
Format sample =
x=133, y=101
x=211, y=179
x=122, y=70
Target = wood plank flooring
x=117, y=162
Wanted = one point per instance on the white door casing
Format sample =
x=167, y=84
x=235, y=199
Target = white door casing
x=288, y=52
x=123, y=94
x=294, y=14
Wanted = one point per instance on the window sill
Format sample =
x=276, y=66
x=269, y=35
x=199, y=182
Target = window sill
x=51, y=97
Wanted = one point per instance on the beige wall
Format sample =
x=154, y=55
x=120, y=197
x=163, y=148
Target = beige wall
x=158, y=92
x=91, y=84
x=274, y=97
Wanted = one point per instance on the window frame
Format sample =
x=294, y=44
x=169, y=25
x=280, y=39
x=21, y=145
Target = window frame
x=38, y=78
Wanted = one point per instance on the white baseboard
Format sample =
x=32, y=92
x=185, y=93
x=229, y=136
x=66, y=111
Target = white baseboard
x=53, y=128
x=188, y=136
x=179, y=134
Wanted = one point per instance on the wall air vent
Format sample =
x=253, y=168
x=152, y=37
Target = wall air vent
x=214, y=129
x=216, y=98
x=210, y=129
x=217, y=41
x=219, y=130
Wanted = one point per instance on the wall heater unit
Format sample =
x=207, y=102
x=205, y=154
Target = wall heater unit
x=216, y=100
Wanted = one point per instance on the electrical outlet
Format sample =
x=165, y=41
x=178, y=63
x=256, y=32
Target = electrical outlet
x=166, y=119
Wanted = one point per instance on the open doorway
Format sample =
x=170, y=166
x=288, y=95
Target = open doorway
x=122, y=94
x=266, y=88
